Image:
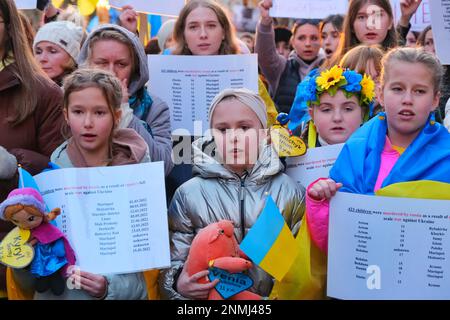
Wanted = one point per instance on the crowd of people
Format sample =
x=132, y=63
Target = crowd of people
x=79, y=99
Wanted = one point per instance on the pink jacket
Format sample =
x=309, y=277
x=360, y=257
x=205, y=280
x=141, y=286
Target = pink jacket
x=318, y=211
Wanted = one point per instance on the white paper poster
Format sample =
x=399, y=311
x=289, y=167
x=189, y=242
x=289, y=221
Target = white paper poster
x=315, y=164
x=158, y=7
x=388, y=248
x=317, y=9
x=114, y=217
x=440, y=10
x=26, y=4
x=419, y=20
x=189, y=84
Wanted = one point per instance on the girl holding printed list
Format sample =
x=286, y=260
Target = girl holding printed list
x=92, y=113
x=336, y=101
x=404, y=144
x=233, y=170
x=402, y=149
x=204, y=28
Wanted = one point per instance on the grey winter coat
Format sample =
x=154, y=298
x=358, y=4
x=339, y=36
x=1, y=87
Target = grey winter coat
x=216, y=193
x=160, y=141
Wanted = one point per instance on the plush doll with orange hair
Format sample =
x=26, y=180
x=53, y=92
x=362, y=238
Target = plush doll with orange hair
x=216, y=246
x=52, y=252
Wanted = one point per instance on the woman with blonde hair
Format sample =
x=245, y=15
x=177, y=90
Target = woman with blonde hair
x=204, y=28
x=56, y=47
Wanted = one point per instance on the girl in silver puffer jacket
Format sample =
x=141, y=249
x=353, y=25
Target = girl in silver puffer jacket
x=233, y=171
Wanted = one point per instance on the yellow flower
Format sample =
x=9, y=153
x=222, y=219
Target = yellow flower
x=329, y=78
x=368, y=88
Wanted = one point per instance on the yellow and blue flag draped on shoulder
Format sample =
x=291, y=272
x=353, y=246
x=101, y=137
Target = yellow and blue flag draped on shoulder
x=268, y=240
x=422, y=172
x=358, y=164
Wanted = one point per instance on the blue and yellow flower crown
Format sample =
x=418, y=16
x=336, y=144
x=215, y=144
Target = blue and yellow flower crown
x=331, y=80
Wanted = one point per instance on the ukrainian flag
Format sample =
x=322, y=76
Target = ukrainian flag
x=266, y=242
x=26, y=180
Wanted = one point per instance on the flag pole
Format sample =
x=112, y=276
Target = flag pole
x=21, y=175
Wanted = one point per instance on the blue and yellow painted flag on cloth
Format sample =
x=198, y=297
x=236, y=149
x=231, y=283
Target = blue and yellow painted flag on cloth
x=267, y=242
x=306, y=278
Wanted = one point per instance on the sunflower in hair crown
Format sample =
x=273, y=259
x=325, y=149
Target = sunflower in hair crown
x=351, y=82
x=330, y=81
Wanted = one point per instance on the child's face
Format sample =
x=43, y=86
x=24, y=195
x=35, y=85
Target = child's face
x=372, y=24
x=330, y=39
x=337, y=117
x=408, y=97
x=25, y=220
x=237, y=132
x=306, y=41
x=90, y=120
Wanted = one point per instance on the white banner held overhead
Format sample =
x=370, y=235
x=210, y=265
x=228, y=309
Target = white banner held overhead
x=440, y=10
x=189, y=83
x=419, y=20
x=317, y=9
x=26, y=4
x=169, y=8
x=114, y=217
x=388, y=248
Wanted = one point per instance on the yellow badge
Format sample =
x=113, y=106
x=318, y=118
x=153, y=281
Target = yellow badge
x=285, y=144
x=15, y=252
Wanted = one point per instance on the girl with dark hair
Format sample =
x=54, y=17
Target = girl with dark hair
x=283, y=74
x=331, y=32
x=372, y=22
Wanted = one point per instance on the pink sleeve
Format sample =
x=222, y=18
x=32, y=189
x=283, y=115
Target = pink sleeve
x=317, y=213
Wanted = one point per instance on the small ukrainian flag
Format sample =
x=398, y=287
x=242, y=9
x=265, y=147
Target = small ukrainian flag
x=270, y=243
x=26, y=180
